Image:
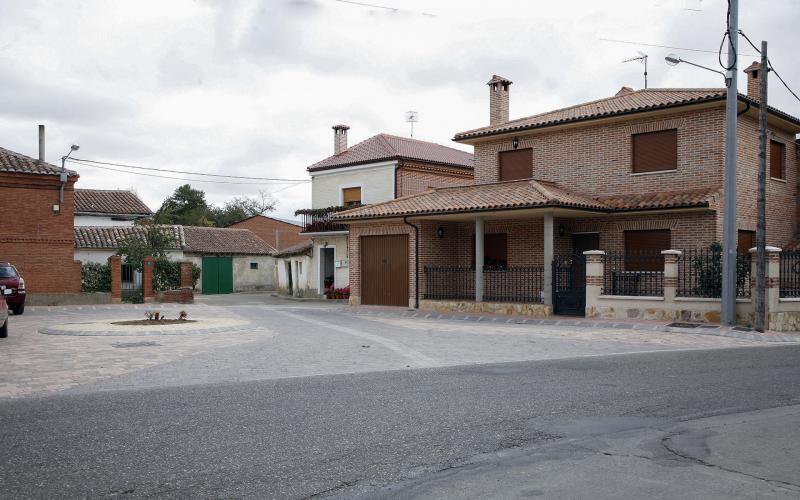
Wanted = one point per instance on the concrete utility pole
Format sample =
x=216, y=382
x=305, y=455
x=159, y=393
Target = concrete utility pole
x=728, y=316
x=761, y=225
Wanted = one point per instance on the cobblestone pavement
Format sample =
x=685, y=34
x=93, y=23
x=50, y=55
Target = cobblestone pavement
x=282, y=339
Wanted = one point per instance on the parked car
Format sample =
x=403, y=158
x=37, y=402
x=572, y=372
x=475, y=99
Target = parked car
x=3, y=313
x=11, y=280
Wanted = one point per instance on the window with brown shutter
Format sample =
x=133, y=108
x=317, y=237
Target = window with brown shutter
x=777, y=153
x=516, y=164
x=643, y=249
x=655, y=151
x=495, y=250
x=745, y=241
x=351, y=196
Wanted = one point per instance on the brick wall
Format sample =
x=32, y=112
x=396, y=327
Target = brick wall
x=413, y=178
x=40, y=243
x=265, y=227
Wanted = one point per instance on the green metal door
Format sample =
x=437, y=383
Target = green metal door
x=217, y=275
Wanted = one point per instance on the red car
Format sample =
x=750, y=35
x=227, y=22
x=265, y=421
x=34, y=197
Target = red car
x=3, y=314
x=11, y=280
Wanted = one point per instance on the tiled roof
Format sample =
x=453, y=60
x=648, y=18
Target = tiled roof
x=190, y=239
x=625, y=101
x=109, y=237
x=391, y=147
x=522, y=194
x=21, y=164
x=224, y=241
x=298, y=249
x=100, y=201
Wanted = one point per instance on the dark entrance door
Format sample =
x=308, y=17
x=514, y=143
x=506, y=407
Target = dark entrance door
x=569, y=285
x=583, y=242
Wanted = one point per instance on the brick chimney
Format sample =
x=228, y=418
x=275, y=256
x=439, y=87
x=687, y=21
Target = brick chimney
x=754, y=80
x=498, y=99
x=339, y=138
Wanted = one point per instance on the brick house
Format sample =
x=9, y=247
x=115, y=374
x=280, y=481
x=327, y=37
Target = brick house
x=36, y=235
x=381, y=168
x=277, y=233
x=108, y=207
x=632, y=174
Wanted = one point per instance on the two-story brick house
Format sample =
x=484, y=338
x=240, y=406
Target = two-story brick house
x=636, y=173
x=378, y=169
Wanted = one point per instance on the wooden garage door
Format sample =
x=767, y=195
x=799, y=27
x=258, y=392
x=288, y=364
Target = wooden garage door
x=384, y=270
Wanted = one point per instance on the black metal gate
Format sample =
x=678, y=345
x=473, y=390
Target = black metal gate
x=569, y=285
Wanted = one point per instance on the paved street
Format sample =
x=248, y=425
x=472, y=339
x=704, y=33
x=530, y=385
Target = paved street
x=311, y=399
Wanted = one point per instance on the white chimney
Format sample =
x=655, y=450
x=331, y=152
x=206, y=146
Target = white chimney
x=339, y=138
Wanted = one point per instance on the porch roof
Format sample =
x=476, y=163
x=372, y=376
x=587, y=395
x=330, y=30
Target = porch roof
x=520, y=195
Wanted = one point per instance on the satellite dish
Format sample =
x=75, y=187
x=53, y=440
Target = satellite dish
x=412, y=116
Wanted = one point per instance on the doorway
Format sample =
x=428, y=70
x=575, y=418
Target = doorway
x=327, y=268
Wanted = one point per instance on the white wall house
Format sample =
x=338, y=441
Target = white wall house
x=295, y=271
x=101, y=207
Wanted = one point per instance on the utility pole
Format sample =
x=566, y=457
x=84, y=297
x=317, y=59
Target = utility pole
x=728, y=316
x=761, y=225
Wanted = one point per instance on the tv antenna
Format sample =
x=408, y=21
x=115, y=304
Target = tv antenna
x=642, y=57
x=412, y=117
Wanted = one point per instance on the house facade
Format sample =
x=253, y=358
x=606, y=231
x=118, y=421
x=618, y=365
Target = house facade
x=633, y=174
x=108, y=207
x=293, y=270
x=381, y=168
x=36, y=236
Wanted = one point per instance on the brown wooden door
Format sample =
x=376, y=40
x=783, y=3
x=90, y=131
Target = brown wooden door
x=384, y=270
x=583, y=242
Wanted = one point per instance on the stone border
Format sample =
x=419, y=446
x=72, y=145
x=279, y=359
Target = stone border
x=234, y=327
x=714, y=330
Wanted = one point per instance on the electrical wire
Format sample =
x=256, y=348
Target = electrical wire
x=644, y=44
x=181, y=178
x=771, y=67
x=83, y=160
x=727, y=35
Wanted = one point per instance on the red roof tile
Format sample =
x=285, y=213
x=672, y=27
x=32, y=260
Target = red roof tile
x=116, y=202
x=391, y=147
x=19, y=163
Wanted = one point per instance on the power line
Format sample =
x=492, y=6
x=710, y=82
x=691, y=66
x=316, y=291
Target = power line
x=186, y=172
x=630, y=42
x=178, y=178
x=771, y=67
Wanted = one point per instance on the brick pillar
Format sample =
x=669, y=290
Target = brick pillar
x=186, y=275
x=148, y=266
x=595, y=268
x=670, y=273
x=115, y=262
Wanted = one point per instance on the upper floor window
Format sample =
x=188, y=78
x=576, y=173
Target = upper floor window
x=516, y=164
x=655, y=151
x=351, y=196
x=777, y=156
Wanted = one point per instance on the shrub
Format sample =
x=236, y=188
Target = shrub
x=95, y=277
x=338, y=293
x=167, y=275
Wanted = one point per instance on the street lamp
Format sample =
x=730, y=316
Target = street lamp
x=63, y=177
x=674, y=60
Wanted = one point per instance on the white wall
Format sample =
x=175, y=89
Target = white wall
x=303, y=284
x=246, y=279
x=101, y=255
x=376, y=182
x=95, y=220
x=341, y=277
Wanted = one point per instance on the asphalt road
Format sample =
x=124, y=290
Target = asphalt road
x=502, y=428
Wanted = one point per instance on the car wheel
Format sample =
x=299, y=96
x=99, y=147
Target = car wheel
x=18, y=310
x=4, y=330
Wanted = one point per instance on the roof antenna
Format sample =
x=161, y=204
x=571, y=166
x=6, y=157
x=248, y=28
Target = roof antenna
x=641, y=58
x=412, y=117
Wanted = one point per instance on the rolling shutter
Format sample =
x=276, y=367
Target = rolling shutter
x=351, y=196
x=644, y=249
x=655, y=151
x=777, y=152
x=516, y=164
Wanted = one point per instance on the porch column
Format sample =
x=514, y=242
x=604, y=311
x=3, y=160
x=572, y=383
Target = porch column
x=547, y=292
x=479, y=259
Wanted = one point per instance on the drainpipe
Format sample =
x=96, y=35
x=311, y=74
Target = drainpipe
x=416, y=261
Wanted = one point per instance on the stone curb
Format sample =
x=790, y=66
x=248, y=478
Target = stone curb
x=712, y=330
x=146, y=333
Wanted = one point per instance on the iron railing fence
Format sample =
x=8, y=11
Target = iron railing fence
x=640, y=275
x=449, y=283
x=500, y=284
x=319, y=220
x=700, y=273
x=513, y=284
x=790, y=274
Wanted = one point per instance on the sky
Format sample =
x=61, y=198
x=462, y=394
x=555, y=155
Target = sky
x=252, y=88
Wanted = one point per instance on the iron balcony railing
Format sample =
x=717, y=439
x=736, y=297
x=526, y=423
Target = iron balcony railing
x=639, y=275
x=320, y=220
x=500, y=284
x=700, y=273
x=790, y=274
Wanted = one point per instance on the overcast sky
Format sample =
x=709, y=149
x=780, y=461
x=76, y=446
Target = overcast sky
x=253, y=87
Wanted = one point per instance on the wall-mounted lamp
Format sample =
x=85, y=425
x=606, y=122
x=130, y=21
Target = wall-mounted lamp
x=440, y=232
x=515, y=143
x=561, y=230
